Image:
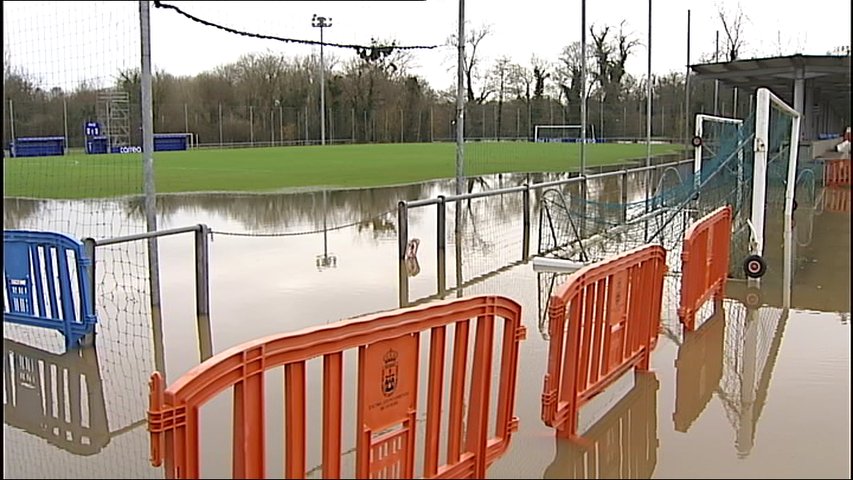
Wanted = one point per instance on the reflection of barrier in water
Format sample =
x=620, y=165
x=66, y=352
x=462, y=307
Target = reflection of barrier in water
x=836, y=199
x=622, y=444
x=603, y=323
x=387, y=380
x=124, y=343
x=59, y=398
x=698, y=370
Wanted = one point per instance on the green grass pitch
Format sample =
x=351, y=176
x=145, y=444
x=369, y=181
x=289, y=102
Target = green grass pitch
x=278, y=168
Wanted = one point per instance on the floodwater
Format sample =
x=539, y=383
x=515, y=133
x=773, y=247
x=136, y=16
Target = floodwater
x=759, y=391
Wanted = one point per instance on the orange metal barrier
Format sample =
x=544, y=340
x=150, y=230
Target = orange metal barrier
x=704, y=263
x=604, y=320
x=387, y=372
x=837, y=172
x=836, y=199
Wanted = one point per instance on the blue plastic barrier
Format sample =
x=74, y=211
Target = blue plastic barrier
x=40, y=290
x=38, y=146
x=170, y=142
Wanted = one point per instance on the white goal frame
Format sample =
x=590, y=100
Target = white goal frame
x=764, y=100
x=577, y=126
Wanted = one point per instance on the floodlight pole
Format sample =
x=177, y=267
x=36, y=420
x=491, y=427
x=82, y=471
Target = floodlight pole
x=321, y=23
x=687, y=86
x=649, y=93
x=583, y=87
x=460, y=104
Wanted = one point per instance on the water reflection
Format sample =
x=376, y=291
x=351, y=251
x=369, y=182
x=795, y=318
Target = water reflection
x=698, y=370
x=623, y=444
x=270, y=284
x=59, y=398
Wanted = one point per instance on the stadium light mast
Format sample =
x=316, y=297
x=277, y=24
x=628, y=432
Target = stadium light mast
x=321, y=23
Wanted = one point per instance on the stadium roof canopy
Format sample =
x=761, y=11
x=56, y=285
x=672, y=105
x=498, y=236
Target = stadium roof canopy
x=822, y=81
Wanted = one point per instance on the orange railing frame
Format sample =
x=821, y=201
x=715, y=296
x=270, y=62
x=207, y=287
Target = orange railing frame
x=837, y=172
x=604, y=320
x=704, y=263
x=836, y=199
x=388, y=345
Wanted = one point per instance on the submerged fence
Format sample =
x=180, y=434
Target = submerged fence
x=479, y=248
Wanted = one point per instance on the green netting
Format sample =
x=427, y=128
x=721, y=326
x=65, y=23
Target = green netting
x=658, y=205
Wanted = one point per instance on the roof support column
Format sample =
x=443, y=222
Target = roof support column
x=800, y=96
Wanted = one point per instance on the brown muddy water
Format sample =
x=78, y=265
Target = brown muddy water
x=759, y=391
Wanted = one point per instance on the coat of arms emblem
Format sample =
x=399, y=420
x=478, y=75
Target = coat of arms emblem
x=389, y=372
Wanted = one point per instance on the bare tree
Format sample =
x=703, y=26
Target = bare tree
x=540, y=74
x=499, y=80
x=471, y=62
x=733, y=25
x=521, y=82
x=567, y=72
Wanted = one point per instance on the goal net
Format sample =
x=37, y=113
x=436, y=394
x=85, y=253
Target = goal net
x=563, y=133
x=750, y=164
x=66, y=68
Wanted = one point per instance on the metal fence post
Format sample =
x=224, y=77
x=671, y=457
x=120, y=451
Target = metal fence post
x=525, y=242
x=402, y=241
x=89, y=247
x=202, y=292
x=624, y=195
x=441, y=241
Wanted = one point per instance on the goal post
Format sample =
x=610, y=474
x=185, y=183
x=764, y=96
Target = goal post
x=713, y=128
x=562, y=133
x=765, y=143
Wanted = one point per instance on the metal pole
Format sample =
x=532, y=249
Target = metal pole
x=150, y=192
x=251, y=125
x=525, y=242
x=648, y=122
x=734, y=102
x=441, y=244
x=649, y=95
x=716, y=82
x=325, y=229
x=322, y=91
x=321, y=23
x=89, y=247
x=431, y=132
x=402, y=242
x=686, y=82
x=583, y=87
x=12, y=125
x=220, y=125
x=186, y=120
x=352, y=123
x=460, y=105
x=65, y=121
x=202, y=293
x=401, y=125
x=280, y=125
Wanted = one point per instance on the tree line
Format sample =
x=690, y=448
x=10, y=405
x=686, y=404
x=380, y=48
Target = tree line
x=270, y=99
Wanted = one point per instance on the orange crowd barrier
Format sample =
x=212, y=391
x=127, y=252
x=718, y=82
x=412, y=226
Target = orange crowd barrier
x=837, y=172
x=704, y=263
x=604, y=321
x=386, y=397
x=836, y=199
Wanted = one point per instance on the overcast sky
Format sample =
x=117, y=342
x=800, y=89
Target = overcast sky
x=57, y=41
